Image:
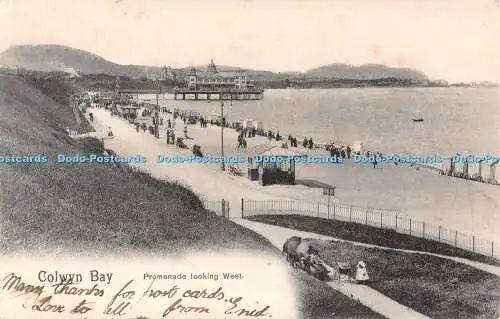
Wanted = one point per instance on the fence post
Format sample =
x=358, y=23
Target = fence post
x=328, y=208
x=350, y=213
x=396, y=222
x=318, y=209
x=410, y=226
x=334, y=209
x=439, y=233
x=456, y=235
x=492, y=248
x=366, y=216
x=423, y=229
x=473, y=242
x=223, y=208
x=380, y=219
x=242, y=211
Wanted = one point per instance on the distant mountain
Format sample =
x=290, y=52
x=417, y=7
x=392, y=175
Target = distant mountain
x=365, y=72
x=62, y=58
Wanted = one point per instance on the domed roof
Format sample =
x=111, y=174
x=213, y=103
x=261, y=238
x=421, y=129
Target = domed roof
x=211, y=67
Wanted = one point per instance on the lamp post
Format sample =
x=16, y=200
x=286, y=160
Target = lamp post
x=222, y=166
x=157, y=130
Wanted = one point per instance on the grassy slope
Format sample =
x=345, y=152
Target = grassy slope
x=101, y=209
x=368, y=235
x=44, y=206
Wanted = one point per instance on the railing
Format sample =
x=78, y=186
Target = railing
x=380, y=218
x=219, y=206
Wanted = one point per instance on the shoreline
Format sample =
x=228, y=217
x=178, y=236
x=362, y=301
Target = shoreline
x=442, y=166
x=320, y=142
x=358, y=185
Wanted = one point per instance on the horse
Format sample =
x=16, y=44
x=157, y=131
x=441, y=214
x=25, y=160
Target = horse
x=290, y=249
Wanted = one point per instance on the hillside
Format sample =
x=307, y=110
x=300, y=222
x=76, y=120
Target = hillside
x=364, y=72
x=61, y=58
x=47, y=202
x=70, y=60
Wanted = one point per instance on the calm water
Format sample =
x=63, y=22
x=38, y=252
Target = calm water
x=456, y=119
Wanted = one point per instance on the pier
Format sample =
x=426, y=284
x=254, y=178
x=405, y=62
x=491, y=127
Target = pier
x=232, y=94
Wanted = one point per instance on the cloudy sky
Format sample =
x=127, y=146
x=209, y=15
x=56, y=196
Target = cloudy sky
x=449, y=39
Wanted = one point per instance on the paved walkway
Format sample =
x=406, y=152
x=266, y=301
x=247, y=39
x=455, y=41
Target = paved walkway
x=495, y=270
x=127, y=141
x=210, y=183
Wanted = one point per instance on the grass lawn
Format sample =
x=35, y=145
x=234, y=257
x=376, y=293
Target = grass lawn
x=368, y=235
x=436, y=287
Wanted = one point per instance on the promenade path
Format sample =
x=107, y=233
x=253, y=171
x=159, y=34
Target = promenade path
x=208, y=182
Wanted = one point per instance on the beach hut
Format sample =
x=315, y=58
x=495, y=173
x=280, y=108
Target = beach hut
x=357, y=147
x=259, y=126
x=129, y=111
x=279, y=169
x=238, y=124
x=247, y=124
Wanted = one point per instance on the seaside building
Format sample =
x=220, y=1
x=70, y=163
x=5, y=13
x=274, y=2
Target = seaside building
x=270, y=173
x=166, y=73
x=213, y=84
x=215, y=80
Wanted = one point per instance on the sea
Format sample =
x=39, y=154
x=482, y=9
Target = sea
x=456, y=120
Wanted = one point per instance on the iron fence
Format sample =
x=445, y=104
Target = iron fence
x=380, y=218
x=219, y=206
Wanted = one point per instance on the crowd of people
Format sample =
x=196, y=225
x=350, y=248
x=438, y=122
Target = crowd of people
x=190, y=117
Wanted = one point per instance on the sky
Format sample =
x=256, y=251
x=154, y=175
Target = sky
x=453, y=40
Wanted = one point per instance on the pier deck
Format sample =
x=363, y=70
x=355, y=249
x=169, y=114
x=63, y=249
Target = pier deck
x=205, y=94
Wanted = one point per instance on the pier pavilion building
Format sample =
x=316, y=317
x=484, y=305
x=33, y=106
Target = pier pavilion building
x=215, y=85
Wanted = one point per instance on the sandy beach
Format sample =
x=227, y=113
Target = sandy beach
x=421, y=194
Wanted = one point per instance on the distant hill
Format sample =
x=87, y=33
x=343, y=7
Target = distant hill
x=62, y=58
x=364, y=72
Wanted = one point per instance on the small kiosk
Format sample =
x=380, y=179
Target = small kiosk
x=274, y=171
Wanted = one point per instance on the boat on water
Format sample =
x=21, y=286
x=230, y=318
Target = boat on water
x=418, y=118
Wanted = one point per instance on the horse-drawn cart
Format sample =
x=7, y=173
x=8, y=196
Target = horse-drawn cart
x=300, y=254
